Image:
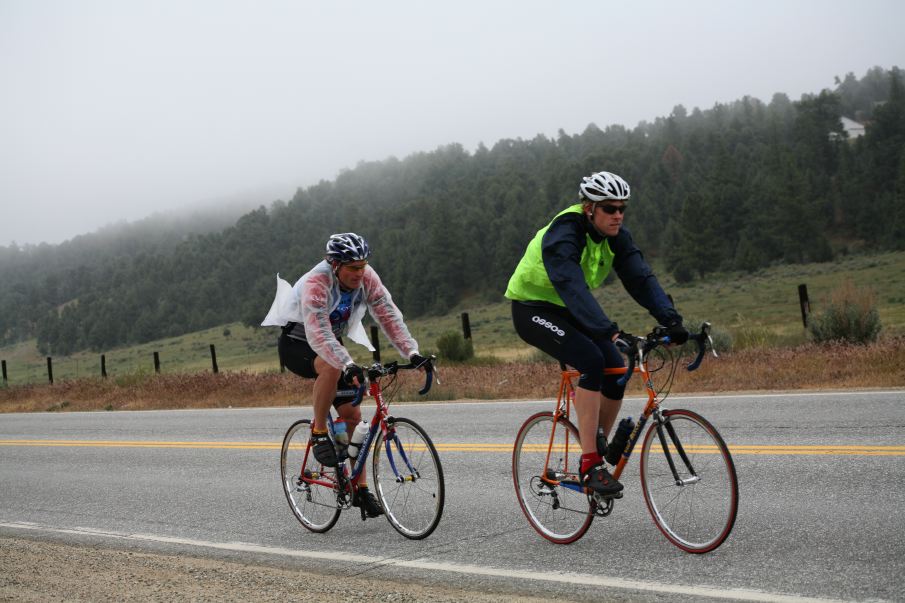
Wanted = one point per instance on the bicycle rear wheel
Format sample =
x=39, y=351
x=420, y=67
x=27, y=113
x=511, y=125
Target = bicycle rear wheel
x=310, y=487
x=697, y=511
x=559, y=513
x=408, y=479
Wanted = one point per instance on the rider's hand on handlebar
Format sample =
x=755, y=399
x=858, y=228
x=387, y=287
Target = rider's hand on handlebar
x=677, y=333
x=354, y=375
x=420, y=362
x=623, y=341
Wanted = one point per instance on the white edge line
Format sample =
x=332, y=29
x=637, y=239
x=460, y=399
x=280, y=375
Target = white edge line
x=421, y=564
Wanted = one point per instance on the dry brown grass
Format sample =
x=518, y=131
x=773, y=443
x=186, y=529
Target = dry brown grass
x=199, y=390
x=811, y=366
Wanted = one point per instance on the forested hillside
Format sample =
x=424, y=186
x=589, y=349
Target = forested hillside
x=737, y=186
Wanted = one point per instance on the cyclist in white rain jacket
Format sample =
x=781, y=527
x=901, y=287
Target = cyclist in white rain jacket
x=325, y=304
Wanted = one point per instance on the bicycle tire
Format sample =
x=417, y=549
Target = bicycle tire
x=312, y=503
x=696, y=516
x=413, y=503
x=558, y=513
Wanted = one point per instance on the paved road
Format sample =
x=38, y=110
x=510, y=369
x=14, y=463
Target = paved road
x=827, y=525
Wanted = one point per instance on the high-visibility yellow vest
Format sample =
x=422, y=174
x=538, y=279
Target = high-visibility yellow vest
x=530, y=281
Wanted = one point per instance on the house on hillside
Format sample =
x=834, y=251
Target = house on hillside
x=851, y=127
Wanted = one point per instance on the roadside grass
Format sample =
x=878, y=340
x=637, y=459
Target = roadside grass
x=807, y=366
x=751, y=310
x=748, y=311
x=237, y=348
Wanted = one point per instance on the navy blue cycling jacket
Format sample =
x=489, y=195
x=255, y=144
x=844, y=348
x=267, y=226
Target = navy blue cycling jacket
x=561, y=250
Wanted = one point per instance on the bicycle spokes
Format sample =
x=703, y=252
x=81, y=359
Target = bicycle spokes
x=689, y=481
x=310, y=488
x=544, y=460
x=409, y=479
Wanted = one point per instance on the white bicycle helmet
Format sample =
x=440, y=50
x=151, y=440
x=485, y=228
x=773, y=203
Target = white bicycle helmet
x=603, y=186
x=347, y=247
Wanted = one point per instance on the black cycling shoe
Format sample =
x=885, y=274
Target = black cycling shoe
x=324, y=451
x=597, y=478
x=368, y=502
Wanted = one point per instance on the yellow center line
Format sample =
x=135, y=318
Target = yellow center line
x=738, y=449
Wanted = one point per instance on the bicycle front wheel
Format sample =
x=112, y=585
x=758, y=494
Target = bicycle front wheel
x=309, y=486
x=545, y=469
x=408, y=479
x=689, y=481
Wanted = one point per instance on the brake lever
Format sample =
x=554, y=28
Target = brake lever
x=705, y=330
x=630, y=369
x=701, y=339
x=429, y=369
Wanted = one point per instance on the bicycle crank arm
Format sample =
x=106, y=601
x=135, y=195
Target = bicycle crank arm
x=688, y=481
x=579, y=487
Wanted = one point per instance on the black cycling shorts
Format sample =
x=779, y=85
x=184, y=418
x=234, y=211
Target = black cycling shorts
x=555, y=331
x=298, y=357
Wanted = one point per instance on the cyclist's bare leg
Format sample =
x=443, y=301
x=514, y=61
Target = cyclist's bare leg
x=588, y=408
x=324, y=391
x=352, y=416
x=324, y=394
x=609, y=410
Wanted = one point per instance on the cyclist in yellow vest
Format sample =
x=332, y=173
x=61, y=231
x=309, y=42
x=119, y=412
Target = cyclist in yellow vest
x=553, y=308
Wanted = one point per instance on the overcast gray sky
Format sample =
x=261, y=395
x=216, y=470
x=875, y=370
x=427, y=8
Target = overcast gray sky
x=112, y=110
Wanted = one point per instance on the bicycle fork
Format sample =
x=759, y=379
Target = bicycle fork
x=663, y=424
x=391, y=439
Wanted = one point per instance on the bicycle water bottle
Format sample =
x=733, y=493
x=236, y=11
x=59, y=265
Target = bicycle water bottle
x=340, y=436
x=620, y=439
x=358, y=436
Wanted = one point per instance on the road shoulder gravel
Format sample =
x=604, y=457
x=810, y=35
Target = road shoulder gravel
x=37, y=571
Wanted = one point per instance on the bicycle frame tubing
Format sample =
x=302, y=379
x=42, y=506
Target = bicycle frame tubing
x=378, y=422
x=567, y=396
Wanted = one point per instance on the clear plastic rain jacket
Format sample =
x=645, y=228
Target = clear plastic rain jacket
x=314, y=296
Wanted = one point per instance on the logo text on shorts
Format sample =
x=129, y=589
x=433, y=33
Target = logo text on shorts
x=546, y=323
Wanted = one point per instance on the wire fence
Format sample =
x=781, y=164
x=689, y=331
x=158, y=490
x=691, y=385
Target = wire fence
x=255, y=357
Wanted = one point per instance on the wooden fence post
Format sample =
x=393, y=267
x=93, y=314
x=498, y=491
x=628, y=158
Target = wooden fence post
x=466, y=326
x=375, y=341
x=104, y=366
x=50, y=370
x=156, y=362
x=4, y=373
x=805, y=304
x=214, y=359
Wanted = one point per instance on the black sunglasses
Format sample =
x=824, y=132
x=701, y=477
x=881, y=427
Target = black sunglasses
x=612, y=209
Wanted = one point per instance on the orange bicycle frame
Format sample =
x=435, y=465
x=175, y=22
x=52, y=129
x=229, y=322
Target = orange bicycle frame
x=564, y=402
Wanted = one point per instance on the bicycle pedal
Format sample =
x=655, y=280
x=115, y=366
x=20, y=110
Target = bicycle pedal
x=614, y=496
